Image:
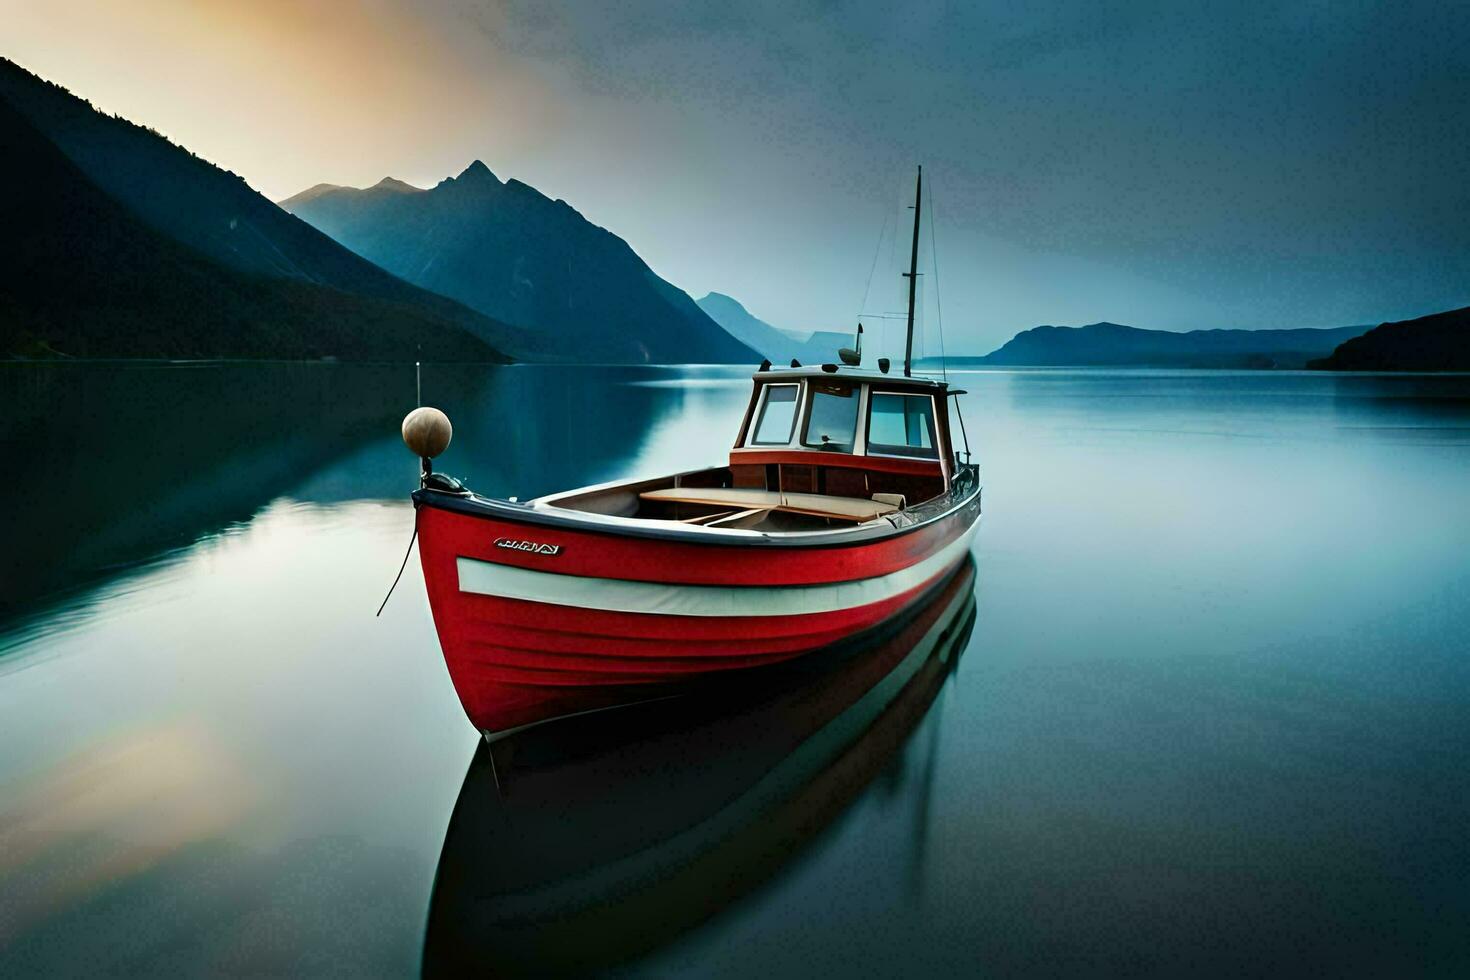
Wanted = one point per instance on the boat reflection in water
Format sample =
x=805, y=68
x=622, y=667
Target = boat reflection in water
x=595, y=839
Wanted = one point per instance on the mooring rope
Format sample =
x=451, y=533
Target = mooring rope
x=401, y=567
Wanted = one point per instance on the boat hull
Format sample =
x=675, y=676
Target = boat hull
x=542, y=619
x=555, y=862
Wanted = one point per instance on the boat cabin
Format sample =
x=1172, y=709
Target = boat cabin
x=818, y=447
x=846, y=434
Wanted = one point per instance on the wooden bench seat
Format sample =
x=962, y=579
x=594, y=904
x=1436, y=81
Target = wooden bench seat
x=814, y=504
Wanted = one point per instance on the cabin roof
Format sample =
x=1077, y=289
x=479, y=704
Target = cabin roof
x=846, y=373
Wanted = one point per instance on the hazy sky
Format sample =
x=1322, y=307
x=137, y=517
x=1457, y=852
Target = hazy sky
x=1163, y=164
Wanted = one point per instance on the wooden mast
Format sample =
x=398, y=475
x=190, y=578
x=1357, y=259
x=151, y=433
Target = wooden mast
x=913, y=276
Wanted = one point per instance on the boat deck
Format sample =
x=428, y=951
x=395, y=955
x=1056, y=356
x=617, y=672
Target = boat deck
x=748, y=499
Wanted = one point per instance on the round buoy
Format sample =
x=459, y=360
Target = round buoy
x=426, y=431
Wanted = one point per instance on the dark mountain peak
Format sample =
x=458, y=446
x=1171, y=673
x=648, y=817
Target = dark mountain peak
x=475, y=180
x=477, y=171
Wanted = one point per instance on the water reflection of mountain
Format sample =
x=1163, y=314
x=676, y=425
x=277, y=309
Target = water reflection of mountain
x=583, y=844
x=1433, y=406
x=117, y=464
x=114, y=465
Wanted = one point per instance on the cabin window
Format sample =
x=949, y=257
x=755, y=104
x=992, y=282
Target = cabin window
x=831, y=422
x=901, y=425
x=777, y=417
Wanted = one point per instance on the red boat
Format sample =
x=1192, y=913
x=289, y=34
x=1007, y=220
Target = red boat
x=555, y=863
x=843, y=503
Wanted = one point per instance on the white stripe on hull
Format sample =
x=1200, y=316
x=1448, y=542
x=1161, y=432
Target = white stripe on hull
x=662, y=599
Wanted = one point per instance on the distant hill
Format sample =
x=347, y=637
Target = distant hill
x=1438, y=342
x=85, y=277
x=779, y=346
x=1117, y=345
x=748, y=329
x=215, y=213
x=509, y=251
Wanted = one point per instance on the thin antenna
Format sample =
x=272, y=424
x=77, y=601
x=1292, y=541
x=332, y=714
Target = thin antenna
x=913, y=275
x=418, y=384
x=938, y=306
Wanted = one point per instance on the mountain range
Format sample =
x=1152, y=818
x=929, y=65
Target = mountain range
x=1438, y=342
x=512, y=253
x=120, y=243
x=1118, y=345
x=129, y=245
x=778, y=346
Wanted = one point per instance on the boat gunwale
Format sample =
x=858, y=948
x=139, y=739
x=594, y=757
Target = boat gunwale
x=538, y=512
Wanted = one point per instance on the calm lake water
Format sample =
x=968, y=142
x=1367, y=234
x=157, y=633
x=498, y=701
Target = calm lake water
x=1212, y=716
